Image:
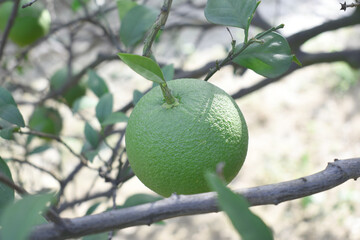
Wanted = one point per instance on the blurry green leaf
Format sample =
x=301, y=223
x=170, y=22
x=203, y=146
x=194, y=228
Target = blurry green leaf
x=104, y=107
x=97, y=84
x=137, y=95
x=92, y=208
x=84, y=103
x=76, y=4
x=168, y=72
x=7, y=133
x=124, y=6
x=270, y=58
x=236, y=13
x=12, y=114
x=115, y=117
x=89, y=152
x=46, y=120
x=135, y=24
x=140, y=198
x=91, y=135
x=9, y=110
x=6, y=193
x=39, y=149
x=19, y=218
x=249, y=226
x=144, y=66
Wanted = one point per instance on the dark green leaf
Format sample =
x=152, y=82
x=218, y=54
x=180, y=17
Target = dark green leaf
x=270, y=58
x=7, y=133
x=11, y=114
x=236, y=13
x=136, y=23
x=115, y=117
x=104, y=107
x=19, y=218
x=97, y=84
x=144, y=66
x=92, y=208
x=124, y=6
x=249, y=226
x=6, y=193
x=91, y=135
x=136, y=96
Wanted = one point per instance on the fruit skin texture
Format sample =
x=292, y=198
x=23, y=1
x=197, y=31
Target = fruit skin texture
x=170, y=149
x=31, y=23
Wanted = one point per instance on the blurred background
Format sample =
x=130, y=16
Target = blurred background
x=297, y=123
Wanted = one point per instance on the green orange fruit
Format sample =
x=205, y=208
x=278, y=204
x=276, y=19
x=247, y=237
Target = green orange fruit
x=31, y=23
x=171, y=149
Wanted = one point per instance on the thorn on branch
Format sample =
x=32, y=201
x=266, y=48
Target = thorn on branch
x=345, y=5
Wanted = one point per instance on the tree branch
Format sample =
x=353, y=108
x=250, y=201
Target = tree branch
x=336, y=173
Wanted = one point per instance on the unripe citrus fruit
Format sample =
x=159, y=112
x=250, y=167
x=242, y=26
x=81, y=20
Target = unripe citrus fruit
x=31, y=23
x=58, y=80
x=171, y=148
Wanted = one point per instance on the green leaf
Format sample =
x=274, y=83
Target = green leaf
x=19, y=218
x=249, y=226
x=76, y=4
x=39, y=149
x=91, y=135
x=6, y=98
x=140, y=198
x=92, y=208
x=144, y=66
x=84, y=103
x=124, y=6
x=12, y=114
x=270, y=58
x=104, y=107
x=97, y=84
x=7, y=133
x=168, y=72
x=115, y=117
x=236, y=13
x=137, y=95
x=6, y=193
x=135, y=24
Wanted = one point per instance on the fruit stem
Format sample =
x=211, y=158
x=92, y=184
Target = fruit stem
x=170, y=100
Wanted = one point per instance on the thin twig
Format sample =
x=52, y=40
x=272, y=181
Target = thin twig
x=4, y=179
x=28, y=4
x=9, y=25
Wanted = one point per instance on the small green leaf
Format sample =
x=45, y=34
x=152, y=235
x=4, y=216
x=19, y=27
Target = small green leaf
x=92, y=208
x=39, y=149
x=11, y=114
x=6, y=193
x=144, y=66
x=249, y=226
x=124, y=6
x=76, y=4
x=296, y=60
x=236, y=13
x=115, y=117
x=136, y=23
x=97, y=84
x=84, y=103
x=91, y=135
x=140, y=198
x=270, y=58
x=104, y=107
x=137, y=95
x=24, y=213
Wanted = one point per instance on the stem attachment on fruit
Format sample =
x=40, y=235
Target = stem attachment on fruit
x=170, y=100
